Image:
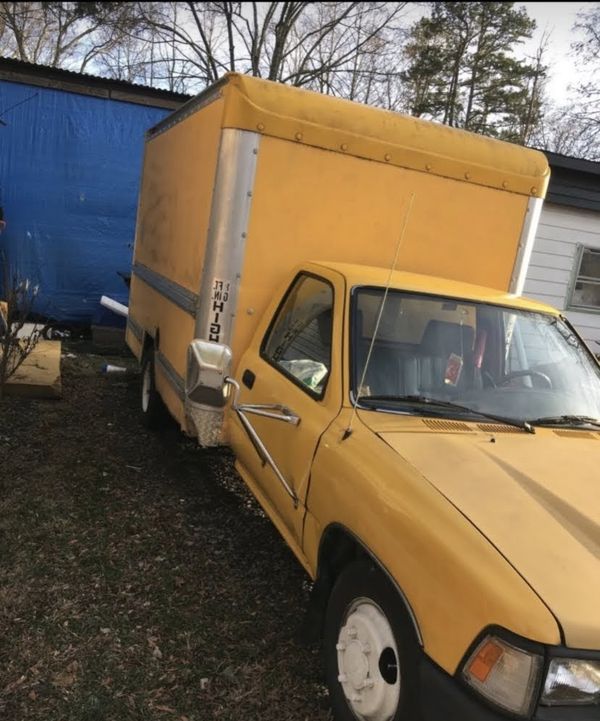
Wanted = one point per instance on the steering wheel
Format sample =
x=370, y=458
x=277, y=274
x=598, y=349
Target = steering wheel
x=522, y=374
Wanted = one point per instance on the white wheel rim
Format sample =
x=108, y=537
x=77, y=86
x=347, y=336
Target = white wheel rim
x=368, y=668
x=146, y=385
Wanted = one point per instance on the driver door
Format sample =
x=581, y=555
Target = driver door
x=290, y=391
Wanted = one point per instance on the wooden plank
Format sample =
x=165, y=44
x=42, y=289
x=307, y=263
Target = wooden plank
x=39, y=375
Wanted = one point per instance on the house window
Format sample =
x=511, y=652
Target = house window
x=585, y=292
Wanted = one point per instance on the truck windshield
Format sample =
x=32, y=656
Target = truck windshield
x=493, y=360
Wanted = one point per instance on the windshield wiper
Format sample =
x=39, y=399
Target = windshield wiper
x=425, y=400
x=565, y=420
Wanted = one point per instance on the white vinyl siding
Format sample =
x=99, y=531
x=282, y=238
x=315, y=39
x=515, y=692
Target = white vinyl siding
x=552, y=268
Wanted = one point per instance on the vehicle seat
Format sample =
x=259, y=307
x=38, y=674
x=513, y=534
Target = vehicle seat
x=383, y=375
x=440, y=340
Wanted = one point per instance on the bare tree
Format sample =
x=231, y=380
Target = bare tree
x=358, y=59
x=130, y=60
x=574, y=128
x=19, y=298
x=587, y=46
x=60, y=33
x=584, y=111
x=339, y=48
x=568, y=130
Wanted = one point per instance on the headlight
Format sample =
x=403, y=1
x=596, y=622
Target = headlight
x=504, y=674
x=572, y=682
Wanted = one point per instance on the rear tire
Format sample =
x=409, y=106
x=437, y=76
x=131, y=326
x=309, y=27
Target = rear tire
x=370, y=649
x=152, y=406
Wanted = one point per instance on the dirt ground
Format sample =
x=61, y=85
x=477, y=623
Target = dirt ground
x=138, y=578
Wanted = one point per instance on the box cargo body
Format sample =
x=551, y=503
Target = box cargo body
x=252, y=177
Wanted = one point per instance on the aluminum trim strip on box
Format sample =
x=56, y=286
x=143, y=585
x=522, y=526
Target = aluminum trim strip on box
x=171, y=374
x=226, y=240
x=192, y=106
x=176, y=293
x=135, y=328
x=525, y=248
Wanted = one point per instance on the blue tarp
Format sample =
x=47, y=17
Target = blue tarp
x=69, y=175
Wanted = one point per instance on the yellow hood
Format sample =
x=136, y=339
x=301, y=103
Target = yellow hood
x=535, y=497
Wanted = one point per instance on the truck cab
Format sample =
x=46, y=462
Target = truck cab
x=428, y=449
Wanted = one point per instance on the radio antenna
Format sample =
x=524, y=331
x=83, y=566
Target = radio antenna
x=348, y=431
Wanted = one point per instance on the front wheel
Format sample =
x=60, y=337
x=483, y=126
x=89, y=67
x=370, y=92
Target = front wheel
x=370, y=649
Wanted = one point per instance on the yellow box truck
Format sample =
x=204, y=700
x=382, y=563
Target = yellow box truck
x=333, y=291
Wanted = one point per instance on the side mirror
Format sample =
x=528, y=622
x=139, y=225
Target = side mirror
x=208, y=365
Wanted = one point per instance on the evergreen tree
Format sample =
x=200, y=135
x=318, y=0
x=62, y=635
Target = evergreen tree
x=462, y=69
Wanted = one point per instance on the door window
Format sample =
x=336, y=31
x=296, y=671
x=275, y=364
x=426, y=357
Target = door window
x=298, y=342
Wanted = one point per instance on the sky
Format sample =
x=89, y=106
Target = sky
x=557, y=18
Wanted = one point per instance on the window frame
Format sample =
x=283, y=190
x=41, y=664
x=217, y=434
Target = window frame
x=315, y=395
x=577, y=277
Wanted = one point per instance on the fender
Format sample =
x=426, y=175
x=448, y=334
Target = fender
x=325, y=579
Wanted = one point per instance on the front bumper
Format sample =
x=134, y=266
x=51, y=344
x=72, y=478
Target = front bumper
x=444, y=698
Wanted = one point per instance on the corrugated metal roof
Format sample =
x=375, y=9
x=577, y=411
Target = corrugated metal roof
x=574, y=182
x=72, y=81
x=568, y=162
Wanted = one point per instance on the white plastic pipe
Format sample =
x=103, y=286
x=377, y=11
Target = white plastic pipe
x=115, y=306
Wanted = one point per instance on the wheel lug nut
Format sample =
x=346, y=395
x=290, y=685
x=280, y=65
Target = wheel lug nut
x=369, y=683
x=366, y=648
x=342, y=678
x=352, y=632
x=340, y=646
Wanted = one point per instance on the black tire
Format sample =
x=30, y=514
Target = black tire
x=363, y=594
x=152, y=407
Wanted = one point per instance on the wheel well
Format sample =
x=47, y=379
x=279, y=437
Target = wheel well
x=339, y=547
x=150, y=342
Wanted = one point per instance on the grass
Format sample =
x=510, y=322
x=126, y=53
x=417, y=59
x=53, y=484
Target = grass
x=138, y=579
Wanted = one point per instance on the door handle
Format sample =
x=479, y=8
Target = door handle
x=271, y=410
x=248, y=378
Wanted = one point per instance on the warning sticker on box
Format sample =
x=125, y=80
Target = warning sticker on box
x=219, y=298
